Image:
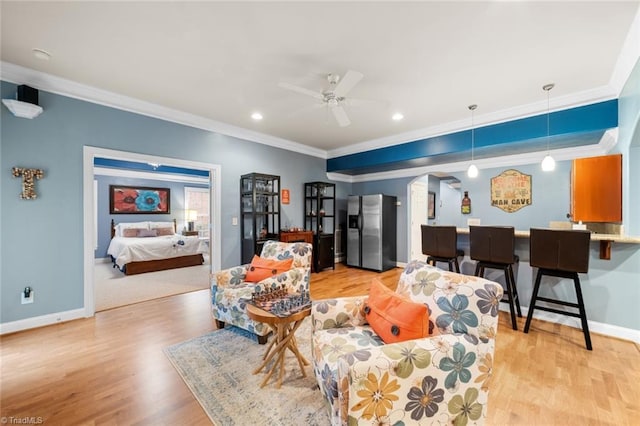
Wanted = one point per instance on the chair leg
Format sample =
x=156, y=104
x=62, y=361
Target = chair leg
x=532, y=304
x=477, y=273
x=515, y=291
x=450, y=265
x=510, y=297
x=219, y=324
x=583, y=312
x=262, y=339
x=457, y=265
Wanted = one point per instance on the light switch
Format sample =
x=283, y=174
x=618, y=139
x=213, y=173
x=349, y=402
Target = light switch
x=234, y=221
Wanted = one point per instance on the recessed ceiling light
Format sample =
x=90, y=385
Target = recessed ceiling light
x=41, y=54
x=256, y=116
x=397, y=116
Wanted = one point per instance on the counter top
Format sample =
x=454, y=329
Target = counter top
x=604, y=239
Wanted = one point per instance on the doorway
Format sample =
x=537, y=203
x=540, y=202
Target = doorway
x=89, y=228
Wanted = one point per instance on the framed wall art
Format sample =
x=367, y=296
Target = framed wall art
x=139, y=200
x=431, y=205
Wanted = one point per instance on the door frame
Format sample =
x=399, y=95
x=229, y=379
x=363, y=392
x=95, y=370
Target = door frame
x=89, y=154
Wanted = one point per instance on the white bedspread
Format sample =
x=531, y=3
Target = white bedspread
x=126, y=250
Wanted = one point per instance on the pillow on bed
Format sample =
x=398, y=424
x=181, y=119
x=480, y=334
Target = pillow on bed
x=132, y=232
x=155, y=225
x=164, y=231
x=128, y=225
x=147, y=232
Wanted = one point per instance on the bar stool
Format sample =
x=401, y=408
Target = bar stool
x=493, y=248
x=440, y=244
x=563, y=254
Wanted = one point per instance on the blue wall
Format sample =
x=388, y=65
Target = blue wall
x=104, y=218
x=42, y=239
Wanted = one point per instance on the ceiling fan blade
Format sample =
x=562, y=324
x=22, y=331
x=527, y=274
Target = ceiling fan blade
x=341, y=116
x=301, y=90
x=350, y=79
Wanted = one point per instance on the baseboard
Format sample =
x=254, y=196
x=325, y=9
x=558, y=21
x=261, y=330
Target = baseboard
x=594, y=326
x=41, y=321
x=99, y=260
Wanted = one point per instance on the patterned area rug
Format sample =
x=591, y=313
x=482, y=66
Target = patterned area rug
x=217, y=368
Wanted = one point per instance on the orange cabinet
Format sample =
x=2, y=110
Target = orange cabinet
x=596, y=189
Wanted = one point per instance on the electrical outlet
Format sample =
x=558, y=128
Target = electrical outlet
x=26, y=300
x=234, y=221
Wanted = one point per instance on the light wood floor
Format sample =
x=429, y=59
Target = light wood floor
x=110, y=369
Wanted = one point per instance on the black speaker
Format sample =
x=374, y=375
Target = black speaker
x=28, y=94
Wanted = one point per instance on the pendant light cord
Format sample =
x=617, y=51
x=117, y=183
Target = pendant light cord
x=473, y=136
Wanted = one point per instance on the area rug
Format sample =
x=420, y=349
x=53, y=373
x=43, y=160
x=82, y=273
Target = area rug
x=218, y=366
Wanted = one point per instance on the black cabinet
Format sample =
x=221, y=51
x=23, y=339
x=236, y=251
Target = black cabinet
x=259, y=211
x=319, y=217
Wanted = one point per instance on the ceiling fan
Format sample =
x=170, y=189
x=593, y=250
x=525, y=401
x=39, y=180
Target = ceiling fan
x=335, y=96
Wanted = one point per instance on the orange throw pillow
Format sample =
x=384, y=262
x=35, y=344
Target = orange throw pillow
x=264, y=268
x=393, y=317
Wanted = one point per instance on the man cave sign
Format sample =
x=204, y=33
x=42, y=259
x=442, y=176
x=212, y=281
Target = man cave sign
x=511, y=191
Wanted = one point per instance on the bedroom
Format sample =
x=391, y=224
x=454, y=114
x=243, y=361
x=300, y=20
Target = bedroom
x=188, y=192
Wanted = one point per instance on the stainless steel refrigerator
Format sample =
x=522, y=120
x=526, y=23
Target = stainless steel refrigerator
x=371, y=232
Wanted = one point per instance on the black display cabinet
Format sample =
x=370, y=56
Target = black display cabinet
x=319, y=217
x=260, y=212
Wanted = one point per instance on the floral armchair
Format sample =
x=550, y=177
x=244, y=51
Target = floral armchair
x=440, y=379
x=229, y=291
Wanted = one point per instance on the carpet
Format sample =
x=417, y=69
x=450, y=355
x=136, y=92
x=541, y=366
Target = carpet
x=218, y=366
x=113, y=288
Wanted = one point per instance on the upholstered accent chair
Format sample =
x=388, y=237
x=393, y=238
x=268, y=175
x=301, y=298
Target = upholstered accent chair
x=440, y=379
x=229, y=291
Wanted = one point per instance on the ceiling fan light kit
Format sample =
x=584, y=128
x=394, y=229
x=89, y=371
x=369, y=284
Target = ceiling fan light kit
x=335, y=96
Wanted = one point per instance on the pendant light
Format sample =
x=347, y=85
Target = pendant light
x=548, y=163
x=472, y=171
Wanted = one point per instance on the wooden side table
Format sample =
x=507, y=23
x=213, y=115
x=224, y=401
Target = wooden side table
x=284, y=330
x=296, y=236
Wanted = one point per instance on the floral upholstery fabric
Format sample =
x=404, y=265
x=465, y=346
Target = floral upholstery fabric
x=441, y=379
x=229, y=291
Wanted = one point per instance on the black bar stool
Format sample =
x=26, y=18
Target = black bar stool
x=561, y=254
x=493, y=247
x=440, y=244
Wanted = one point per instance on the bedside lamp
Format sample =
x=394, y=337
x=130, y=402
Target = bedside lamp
x=192, y=216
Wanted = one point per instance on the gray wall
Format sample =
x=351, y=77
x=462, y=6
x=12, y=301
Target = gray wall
x=42, y=239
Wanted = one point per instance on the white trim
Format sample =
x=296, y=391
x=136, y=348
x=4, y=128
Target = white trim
x=629, y=56
x=594, y=327
x=574, y=100
x=100, y=260
x=89, y=154
x=607, y=142
x=41, y=321
x=138, y=174
x=61, y=86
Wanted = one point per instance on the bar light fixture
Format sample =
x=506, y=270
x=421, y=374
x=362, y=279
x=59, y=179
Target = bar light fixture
x=548, y=163
x=472, y=171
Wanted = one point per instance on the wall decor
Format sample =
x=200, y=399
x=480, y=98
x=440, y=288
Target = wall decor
x=511, y=190
x=28, y=181
x=286, y=196
x=138, y=200
x=431, y=205
x=465, y=205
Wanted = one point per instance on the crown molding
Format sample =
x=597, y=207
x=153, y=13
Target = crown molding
x=574, y=100
x=137, y=174
x=629, y=56
x=607, y=142
x=61, y=86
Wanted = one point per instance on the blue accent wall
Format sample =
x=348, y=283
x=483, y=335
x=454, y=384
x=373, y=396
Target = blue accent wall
x=575, y=126
x=42, y=239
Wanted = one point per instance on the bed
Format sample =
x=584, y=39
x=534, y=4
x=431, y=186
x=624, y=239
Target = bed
x=139, y=247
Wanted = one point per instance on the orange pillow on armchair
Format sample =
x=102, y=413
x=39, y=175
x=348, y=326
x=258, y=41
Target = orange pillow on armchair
x=393, y=317
x=264, y=268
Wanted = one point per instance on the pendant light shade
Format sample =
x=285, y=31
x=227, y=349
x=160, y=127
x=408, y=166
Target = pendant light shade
x=472, y=171
x=548, y=163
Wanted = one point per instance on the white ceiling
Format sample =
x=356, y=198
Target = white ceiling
x=429, y=60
